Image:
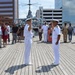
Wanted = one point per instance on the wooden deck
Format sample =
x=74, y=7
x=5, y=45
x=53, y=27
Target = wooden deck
x=12, y=61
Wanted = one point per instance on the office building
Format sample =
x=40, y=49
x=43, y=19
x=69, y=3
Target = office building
x=8, y=9
x=68, y=10
x=48, y=14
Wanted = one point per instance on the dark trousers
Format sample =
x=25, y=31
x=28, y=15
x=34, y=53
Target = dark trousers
x=40, y=36
x=14, y=38
x=8, y=37
x=70, y=37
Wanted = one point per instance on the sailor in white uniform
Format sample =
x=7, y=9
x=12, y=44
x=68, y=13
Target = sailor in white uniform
x=56, y=33
x=0, y=36
x=8, y=27
x=45, y=32
x=28, y=41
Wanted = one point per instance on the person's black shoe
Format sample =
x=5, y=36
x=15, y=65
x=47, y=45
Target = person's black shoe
x=55, y=64
x=65, y=41
x=0, y=47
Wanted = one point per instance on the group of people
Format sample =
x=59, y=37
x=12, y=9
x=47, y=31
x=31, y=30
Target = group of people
x=56, y=33
x=51, y=32
x=67, y=33
x=5, y=29
x=47, y=32
x=4, y=34
x=17, y=33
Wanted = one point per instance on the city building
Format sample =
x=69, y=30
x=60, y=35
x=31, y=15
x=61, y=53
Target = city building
x=48, y=14
x=68, y=10
x=8, y=9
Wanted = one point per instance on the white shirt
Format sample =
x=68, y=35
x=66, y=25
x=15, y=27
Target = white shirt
x=45, y=28
x=55, y=33
x=40, y=30
x=8, y=27
x=27, y=34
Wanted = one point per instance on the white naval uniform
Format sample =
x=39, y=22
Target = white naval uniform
x=0, y=36
x=28, y=42
x=55, y=33
x=45, y=32
x=8, y=27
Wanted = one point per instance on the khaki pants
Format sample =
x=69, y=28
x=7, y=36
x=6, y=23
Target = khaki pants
x=65, y=37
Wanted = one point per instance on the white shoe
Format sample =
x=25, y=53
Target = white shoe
x=54, y=64
x=28, y=64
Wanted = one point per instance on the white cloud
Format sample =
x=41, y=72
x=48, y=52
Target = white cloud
x=70, y=5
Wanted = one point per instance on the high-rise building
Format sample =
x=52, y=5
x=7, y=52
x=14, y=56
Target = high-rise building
x=48, y=14
x=58, y=4
x=68, y=10
x=9, y=9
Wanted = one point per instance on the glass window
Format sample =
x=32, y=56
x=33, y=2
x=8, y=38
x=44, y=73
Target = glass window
x=6, y=13
x=5, y=0
x=6, y=5
x=57, y=17
x=1, y=9
x=69, y=10
x=57, y=11
x=40, y=16
x=48, y=17
x=40, y=13
x=47, y=14
x=47, y=11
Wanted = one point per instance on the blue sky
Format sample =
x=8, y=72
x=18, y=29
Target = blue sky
x=23, y=10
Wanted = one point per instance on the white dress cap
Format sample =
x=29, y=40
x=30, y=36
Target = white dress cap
x=56, y=20
x=28, y=19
